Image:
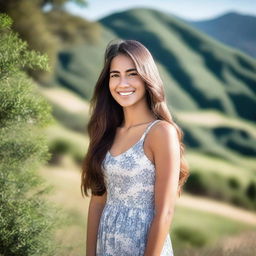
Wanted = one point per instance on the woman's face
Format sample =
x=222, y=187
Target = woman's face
x=124, y=79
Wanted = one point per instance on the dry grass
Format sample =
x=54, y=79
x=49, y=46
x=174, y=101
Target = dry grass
x=71, y=237
x=213, y=206
x=243, y=244
x=65, y=99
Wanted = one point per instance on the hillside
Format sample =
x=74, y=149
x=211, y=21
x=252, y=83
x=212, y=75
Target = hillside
x=191, y=63
x=229, y=72
x=198, y=72
x=78, y=66
x=192, y=215
x=234, y=29
x=207, y=75
x=210, y=89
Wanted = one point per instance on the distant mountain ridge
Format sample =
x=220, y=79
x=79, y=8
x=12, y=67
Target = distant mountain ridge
x=234, y=29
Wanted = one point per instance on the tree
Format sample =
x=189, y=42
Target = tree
x=27, y=219
x=37, y=31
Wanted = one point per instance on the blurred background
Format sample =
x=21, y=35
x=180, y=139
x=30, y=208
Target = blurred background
x=206, y=55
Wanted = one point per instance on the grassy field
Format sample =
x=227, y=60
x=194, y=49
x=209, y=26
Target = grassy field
x=243, y=171
x=191, y=227
x=191, y=222
x=72, y=102
x=213, y=118
x=66, y=194
x=207, y=227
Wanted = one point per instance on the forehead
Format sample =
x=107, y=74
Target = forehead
x=121, y=63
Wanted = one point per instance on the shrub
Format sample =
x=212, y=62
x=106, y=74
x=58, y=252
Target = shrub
x=251, y=191
x=196, y=184
x=223, y=188
x=233, y=183
x=27, y=220
x=191, y=236
x=58, y=147
x=64, y=146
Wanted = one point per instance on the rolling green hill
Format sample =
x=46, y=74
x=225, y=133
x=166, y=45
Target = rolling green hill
x=199, y=73
x=79, y=66
x=210, y=89
x=209, y=73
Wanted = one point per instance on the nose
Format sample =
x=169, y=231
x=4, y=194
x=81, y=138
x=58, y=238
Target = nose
x=123, y=82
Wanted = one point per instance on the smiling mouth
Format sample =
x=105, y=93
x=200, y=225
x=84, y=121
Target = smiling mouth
x=125, y=93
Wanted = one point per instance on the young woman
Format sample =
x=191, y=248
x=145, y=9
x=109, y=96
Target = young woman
x=135, y=162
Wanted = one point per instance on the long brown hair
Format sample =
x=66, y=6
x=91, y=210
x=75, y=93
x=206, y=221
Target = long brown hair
x=106, y=114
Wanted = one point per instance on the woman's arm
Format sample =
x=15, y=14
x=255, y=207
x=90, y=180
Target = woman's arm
x=96, y=206
x=166, y=150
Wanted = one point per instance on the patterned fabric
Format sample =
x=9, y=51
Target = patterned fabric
x=129, y=209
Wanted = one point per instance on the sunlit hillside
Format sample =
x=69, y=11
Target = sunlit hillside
x=197, y=223
x=210, y=89
x=211, y=92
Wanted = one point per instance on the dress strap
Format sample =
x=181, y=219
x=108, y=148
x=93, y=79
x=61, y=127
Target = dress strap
x=149, y=126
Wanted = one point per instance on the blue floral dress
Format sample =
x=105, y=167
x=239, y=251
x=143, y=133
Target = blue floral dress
x=129, y=209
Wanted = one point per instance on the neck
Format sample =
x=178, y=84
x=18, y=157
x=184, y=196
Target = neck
x=137, y=115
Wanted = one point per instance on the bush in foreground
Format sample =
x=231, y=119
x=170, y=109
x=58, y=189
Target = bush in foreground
x=27, y=220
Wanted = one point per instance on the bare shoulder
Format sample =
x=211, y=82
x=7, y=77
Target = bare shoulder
x=161, y=134
x=163, y=124
x=162, y=129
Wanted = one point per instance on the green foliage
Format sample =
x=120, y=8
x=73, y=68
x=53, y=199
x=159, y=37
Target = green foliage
x=233, y=183
x=48, y=32
x=251, y=191
x=211, y=228
x=240, y=246
x=72, y=30
x=13, y=52
x=27, y=220
x=191, y=236
x=32, y=30
x=223, y=188
x=60, y=146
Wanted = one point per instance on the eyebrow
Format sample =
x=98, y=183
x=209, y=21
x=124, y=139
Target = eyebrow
x=128, y=70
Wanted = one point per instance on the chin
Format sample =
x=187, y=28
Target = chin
x=126, y=105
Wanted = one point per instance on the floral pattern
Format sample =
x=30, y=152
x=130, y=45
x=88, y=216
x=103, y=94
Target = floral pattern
x=129, y=210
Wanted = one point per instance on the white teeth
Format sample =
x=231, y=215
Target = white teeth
x=126, y=93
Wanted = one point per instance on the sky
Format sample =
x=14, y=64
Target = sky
x=187, y=9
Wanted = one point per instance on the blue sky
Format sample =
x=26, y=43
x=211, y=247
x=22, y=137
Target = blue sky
x=188, y=9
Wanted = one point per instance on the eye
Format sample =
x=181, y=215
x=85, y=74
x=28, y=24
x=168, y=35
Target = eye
x=133, y=74
x=114, y=75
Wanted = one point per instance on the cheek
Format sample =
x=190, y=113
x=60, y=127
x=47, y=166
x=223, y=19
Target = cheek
x=112, y=89
x=141, y=86
x=110, y=85
x=112, y=82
